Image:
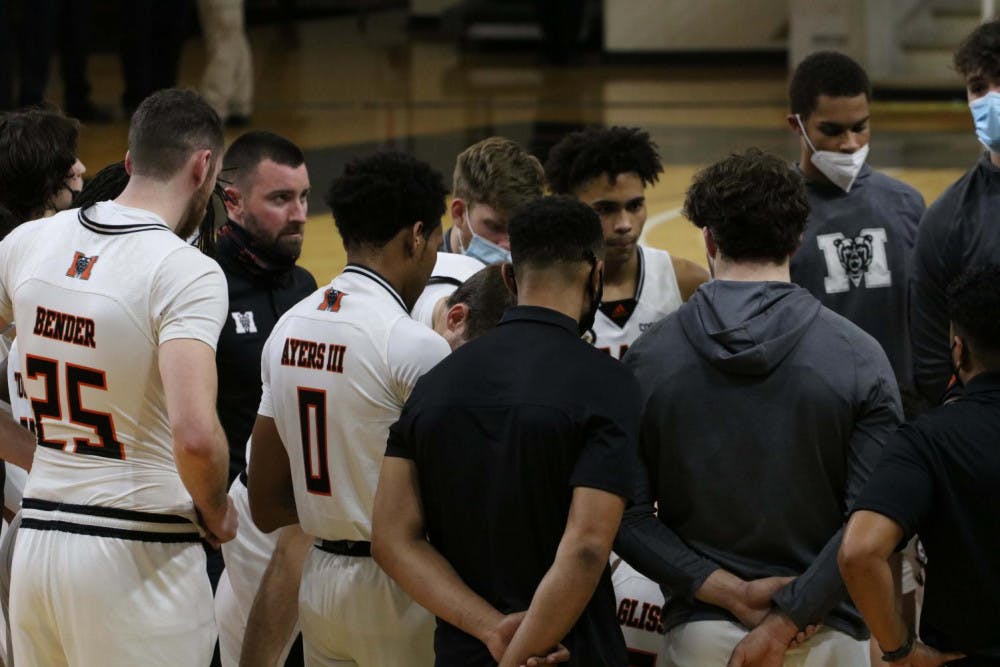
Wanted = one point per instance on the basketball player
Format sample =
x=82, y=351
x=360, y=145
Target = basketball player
x=119, y=319
x=609, y=169
x=336, y=371
x=491, y=179
x=855, y=253
x=470, y=311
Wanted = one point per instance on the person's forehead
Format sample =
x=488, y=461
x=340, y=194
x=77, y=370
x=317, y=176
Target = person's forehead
x=841, y=109
x=484, y=211
x=623, y=187
x=270, y=175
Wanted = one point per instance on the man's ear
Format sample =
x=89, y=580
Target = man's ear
x=234, y=202
x=507, y=272
x=202, y=167
x=959, y=352
x=456, y=317
x=710, y=247
x=457, y=210
x=794, y=124
x=128, y=163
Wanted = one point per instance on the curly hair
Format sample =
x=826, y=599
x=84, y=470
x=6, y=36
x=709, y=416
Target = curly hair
x=499, y=173
x=37, y=151
x=380, y=194
x=826, y=73
x=754, y=205
x=979, y=53
x=583, y=156
x=973, y=302
x=106, y=184
x=555, y=229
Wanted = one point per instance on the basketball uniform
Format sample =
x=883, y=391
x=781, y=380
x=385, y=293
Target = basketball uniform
x=108, y=568
x=450, y=271
x=656, y=295
x=336, y=371
x=640, y=604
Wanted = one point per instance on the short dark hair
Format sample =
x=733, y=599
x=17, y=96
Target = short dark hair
x=8, y=221
x=553, y=230
x=37, y=151
x=826, y=73
x=753, y=203
x=380, y=194
x=979, y=53
x=973, y=304
x=106, y=184
x=582, y=156
x=487, y=296
x=252, y=148
x=167, y=127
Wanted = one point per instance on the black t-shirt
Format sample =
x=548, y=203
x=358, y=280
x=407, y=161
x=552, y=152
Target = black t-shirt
x=501, y=432
x=939, y=477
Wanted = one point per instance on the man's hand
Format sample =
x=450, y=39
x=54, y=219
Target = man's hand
x=925, y=656
x=220, y=523
x=755, y=601
x=499, y=638
x=766, y=644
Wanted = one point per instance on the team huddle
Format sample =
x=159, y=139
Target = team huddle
x=522, y=439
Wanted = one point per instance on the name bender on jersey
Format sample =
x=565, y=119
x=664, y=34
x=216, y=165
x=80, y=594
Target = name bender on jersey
x=310, y=354
x=64, y=326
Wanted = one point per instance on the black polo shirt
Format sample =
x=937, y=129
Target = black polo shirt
x=501, y=432
x=939, y=477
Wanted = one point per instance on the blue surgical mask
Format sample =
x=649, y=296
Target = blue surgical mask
x=485, y=251
x=986, y=116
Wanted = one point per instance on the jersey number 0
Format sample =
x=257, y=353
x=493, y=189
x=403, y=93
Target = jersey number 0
x=312, y=411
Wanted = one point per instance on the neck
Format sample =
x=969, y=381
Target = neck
x=995, y=158
x=164, y=199
x=543, y=289
x=622, y=274
x=455, y=240
x=726, y=269
x=387, y=265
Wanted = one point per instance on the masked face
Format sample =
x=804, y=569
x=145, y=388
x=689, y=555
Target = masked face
x=986, y=116
x=840, y=167
x=486, y=251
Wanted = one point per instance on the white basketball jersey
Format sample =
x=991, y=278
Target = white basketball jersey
x=657, y=295
x=640, y=606
x=336, y=371
x=450, y=271
x=20, y=403
x=94, y=294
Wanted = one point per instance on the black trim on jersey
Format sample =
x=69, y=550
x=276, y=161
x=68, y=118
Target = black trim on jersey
x=244, y=479
x=101, y=228
x=358, y=549
x=32, y=523
x=444, y=280
x=105, y=512
x=374, y=275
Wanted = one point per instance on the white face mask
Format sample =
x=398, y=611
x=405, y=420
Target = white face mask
x=841, y=168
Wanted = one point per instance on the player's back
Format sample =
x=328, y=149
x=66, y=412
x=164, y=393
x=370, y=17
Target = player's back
x=94, y=294
x=337, y=369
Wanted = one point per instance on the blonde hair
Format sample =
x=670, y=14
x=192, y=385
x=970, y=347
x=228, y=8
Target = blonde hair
x=499, y=173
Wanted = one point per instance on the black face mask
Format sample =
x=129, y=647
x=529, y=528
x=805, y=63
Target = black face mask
x=587, y=319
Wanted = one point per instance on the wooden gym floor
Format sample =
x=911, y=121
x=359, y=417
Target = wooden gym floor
x=338, y=92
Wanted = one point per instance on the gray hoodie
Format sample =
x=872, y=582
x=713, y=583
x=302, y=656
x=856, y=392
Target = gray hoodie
x=764, y=413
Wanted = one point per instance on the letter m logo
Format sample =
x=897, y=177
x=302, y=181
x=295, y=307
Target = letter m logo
x=81, y=266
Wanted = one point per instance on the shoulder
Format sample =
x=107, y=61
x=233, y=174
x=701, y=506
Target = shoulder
x=453, y=265
x=411, y=343
x=908, y=194
x=302, y=279
x=942, y=210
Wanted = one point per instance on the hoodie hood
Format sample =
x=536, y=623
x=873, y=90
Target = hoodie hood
x=747, y=328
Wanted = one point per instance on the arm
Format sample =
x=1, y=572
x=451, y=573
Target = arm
x=187, y=367
x=269, y=477
x=400, y=547
x=689, y=276
x=275, y=609
x=931, y=273
x=17, y=444
x=569, y=584
x=820, y=588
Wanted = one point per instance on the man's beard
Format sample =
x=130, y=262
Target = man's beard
x=279, y=247
x=195, y=213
